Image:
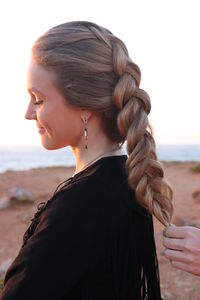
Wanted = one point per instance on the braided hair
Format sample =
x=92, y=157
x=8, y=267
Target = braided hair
x=94, y=72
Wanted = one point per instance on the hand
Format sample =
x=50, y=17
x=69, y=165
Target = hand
x=183, y=248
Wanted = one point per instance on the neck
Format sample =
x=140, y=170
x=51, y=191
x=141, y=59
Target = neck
x=113, y=150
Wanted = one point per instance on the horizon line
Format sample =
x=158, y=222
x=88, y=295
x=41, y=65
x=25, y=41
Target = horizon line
x=40, y=146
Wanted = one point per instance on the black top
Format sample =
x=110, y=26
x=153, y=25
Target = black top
x=90, y=241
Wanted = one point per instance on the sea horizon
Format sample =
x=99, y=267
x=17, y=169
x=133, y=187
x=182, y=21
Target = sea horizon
x=19, y=158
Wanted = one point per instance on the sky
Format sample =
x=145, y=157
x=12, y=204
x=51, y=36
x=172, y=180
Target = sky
x=162, y=38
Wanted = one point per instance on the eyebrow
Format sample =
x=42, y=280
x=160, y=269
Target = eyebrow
x=34, y=90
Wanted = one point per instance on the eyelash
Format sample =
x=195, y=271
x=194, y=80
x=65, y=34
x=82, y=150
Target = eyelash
x=38, y=102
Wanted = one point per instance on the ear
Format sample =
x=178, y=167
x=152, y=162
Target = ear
x=86, y=114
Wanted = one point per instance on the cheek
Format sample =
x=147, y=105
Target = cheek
x=46, y=117
x=68, y=125
x=64, y=126
x=60, y=124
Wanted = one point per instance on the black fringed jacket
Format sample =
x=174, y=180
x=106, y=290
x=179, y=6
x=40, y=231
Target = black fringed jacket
x=90, y=241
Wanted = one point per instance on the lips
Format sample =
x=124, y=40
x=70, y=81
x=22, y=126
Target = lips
x=38, y=126
x=41, y=130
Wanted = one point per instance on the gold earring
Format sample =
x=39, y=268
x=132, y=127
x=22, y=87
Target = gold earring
x=85, y=134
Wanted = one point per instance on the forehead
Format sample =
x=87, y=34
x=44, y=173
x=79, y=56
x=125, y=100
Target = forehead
x=38, y=78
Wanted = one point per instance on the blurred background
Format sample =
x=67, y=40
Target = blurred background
x=162, y=37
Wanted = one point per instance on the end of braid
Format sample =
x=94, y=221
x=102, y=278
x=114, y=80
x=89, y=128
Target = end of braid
x=145, y=172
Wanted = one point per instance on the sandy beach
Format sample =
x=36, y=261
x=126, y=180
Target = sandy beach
x=42, y=183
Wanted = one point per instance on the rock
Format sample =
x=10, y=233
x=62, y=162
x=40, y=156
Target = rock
x=4, y=203
x=196, y=196
x=20, y=196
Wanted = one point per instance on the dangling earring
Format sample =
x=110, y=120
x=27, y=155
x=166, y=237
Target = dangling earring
x=85, y=134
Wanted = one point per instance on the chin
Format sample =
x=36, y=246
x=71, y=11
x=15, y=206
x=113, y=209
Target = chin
x=51, y=146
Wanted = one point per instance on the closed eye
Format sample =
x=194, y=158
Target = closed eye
x=38, y=102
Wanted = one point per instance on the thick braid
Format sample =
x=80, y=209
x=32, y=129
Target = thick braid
x=114, y=93
x=145, y=172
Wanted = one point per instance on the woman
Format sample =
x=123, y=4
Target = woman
x=94, y=238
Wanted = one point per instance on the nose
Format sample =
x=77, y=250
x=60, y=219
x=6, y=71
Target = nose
x=30, y=112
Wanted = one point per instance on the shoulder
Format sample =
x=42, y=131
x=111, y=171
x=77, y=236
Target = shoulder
x=78, y=202
x=102, y=195
x=92, y=190
x=80, y=194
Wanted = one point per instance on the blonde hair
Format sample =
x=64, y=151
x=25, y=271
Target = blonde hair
x=94, y=71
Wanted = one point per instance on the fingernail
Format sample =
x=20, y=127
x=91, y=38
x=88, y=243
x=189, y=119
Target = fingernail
x=164, y=231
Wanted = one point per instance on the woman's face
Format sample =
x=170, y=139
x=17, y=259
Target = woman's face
x=59, y=123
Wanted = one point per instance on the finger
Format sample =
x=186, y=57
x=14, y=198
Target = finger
x=174, y=244
x=185, y=267
x=164, y=231
x=175, y=232
x=175, y=255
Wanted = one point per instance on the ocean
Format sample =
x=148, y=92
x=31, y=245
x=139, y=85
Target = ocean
x=23, y=158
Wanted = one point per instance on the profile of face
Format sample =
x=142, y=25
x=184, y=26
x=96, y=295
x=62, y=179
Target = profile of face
x=59, y=123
